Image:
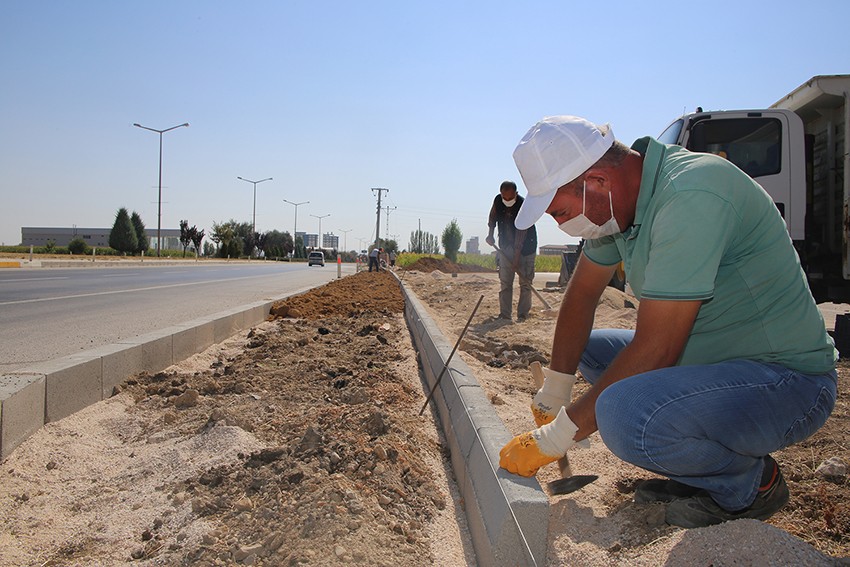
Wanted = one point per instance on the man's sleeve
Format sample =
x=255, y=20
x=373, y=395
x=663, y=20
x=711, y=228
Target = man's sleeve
x=491, y=220
x=689, y=237
x=602, y=251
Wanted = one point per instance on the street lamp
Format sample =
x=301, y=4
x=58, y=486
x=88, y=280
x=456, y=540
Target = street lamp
x=254, y=220
x=345, y=238
x=295, y=230
x=159, y=199
x=321, y=239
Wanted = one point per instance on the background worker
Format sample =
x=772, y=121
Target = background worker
x=518, y=251
x=373, y=258
x=729, y=360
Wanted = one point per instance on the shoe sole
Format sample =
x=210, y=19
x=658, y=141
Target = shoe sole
x=693, y=513
x=645, y=494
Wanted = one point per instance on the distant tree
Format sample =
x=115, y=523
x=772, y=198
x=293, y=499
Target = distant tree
x=185, y=235
x=288, y=244
x=190, y=235
x=217, y=234
x=390, y=246
x=209, y=249
x=143, y=244
x=78, y=246
x=223, y=235
x=275, y=244
x=423, y=243
x=122, y=237
x=300, y=251
x=452, y=239
x=197, y=238
x=250, y=244
x=260, y=241
x=234, y=248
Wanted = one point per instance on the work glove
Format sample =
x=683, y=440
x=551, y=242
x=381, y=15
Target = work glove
x=526, y=453
x=556, y=393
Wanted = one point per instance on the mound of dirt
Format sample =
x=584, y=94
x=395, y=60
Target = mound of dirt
x=377, y=292
x=444, y=265
x=296, y=443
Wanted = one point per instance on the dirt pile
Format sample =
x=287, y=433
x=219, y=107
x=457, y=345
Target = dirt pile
x=376, y=292
x=426, y=264
x=301, y=445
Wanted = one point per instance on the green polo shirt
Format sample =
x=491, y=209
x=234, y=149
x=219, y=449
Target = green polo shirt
x=704, y=230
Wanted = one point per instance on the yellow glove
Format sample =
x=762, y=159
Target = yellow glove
x=526, y=453
x=556, y=393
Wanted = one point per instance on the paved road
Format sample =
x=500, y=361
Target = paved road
x=49, y=313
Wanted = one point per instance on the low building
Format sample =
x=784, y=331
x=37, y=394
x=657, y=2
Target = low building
x=94, y=237
x=557, y=249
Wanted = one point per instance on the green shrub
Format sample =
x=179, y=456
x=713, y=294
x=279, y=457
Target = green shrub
x=78, y=246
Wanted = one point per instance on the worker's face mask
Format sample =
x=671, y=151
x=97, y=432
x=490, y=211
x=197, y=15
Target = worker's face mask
x=582, y=227
x=509, y=203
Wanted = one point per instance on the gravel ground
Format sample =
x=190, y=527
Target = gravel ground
x=299, y=443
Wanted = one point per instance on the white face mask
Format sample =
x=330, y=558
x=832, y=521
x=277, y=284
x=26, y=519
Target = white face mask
x=583, y=227
x=509, y=203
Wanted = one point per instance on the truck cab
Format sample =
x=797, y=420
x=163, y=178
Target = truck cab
x=765, y=144
x=796, y=150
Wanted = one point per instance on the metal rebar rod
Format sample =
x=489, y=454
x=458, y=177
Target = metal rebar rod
x=449, y=359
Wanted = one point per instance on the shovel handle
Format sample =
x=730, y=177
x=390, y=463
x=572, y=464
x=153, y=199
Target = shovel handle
x=536, y=293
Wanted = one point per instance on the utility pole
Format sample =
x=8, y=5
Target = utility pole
x=387, y=228
x=378, y=224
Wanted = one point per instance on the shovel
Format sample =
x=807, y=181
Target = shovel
x=537, y=293
x=568, y=481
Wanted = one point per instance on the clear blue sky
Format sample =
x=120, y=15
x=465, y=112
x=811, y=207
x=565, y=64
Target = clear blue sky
x=331, y=99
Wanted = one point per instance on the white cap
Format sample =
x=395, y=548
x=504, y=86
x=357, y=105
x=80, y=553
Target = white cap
x=552, y=153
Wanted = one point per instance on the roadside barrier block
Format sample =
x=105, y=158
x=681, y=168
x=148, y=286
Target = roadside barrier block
x=21, y=409
x=71, y=384
x=192, y=338
x=256, y=314
x=117, y=362
x=508, y=515
x=157, y=350
x=225, y=325
x=6, y=264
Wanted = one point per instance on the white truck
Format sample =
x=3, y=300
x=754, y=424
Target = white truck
x=797, y=150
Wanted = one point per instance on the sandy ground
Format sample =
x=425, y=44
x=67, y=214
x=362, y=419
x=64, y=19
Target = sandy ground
x=298, y=443
x=600, y=524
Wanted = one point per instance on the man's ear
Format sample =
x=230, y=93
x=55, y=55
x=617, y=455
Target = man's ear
x=599, y=177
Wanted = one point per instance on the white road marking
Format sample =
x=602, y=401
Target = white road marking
x=23, y=301
x=34, y=279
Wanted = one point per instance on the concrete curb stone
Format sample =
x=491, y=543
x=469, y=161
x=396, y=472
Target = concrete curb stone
x=508, y=515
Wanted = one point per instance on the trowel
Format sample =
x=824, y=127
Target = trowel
x=568, y=481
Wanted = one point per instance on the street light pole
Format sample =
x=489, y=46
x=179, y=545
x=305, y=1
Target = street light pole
x=345, y=238
x=295, y=230
x=159, y=199
x=254, y=218
x=321, y=239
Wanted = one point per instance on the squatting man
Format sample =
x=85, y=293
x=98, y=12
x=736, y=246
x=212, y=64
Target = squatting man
x=729, y=360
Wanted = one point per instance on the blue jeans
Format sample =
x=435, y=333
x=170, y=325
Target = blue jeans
x=706, y=426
